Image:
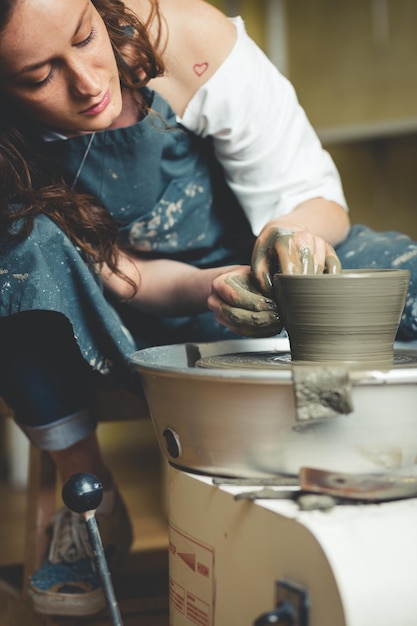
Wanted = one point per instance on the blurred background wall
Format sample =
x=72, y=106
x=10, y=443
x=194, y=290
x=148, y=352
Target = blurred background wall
x=354, y=66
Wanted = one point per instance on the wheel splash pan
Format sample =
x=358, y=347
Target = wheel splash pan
x=241, y=408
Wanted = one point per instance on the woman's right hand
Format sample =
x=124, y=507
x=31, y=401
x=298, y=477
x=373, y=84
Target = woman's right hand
x=241, y=307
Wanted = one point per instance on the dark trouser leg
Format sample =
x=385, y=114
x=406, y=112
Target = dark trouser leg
x=48, y=384
x=45, y=380
x=366, y=248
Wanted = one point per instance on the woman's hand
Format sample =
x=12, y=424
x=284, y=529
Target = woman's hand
x=239, y=305
x=280, y=249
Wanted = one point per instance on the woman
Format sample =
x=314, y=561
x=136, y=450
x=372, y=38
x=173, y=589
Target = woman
x=184, y=155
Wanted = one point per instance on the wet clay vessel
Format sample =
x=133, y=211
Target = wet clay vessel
x=349, y=318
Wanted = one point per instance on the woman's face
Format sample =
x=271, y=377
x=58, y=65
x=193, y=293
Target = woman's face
x=57, y=64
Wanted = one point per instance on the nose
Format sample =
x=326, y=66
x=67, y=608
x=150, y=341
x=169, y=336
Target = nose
x=84, y=80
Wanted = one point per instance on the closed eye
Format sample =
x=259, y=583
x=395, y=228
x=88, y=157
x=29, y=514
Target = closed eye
x=87, y=40
x=81, y=44
x=41, y=83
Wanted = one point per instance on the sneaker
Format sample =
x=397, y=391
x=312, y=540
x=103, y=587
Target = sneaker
x=68, y=583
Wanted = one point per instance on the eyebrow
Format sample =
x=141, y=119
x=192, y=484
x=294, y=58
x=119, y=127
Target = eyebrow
x=35, y=66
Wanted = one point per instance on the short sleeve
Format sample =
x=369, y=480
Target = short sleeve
x=272, y=157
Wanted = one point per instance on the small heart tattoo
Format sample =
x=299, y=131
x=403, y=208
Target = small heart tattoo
x=200, y=68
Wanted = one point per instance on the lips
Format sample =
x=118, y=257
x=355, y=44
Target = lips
x=100, y=106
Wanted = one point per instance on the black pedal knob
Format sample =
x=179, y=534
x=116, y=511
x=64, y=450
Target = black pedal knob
x=82, y=492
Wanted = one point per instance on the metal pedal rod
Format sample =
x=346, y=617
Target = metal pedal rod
x=82, y=493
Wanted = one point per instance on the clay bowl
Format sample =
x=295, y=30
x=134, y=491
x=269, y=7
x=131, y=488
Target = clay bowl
x=350, y=317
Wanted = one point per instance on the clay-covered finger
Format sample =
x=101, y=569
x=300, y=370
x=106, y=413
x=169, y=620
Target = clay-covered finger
x=307, y=261
x=243, y=295
x=261, y=271
x=276, y=254
x=333, y=264
x=250, y=323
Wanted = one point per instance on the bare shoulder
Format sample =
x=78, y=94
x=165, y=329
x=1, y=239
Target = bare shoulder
x=194, y=17
x=196, y=39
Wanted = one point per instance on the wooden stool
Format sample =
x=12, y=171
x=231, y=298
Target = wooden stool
x=151, y=574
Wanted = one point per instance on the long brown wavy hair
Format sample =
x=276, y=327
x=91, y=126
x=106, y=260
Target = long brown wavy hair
x=29, y=185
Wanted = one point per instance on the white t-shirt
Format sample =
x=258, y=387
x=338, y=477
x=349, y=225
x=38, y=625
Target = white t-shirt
x=272, y=157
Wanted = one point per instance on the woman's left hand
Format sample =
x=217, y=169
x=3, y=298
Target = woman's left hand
x=240, y=306
x=289, y=251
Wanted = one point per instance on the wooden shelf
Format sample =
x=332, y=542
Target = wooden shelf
x=389, y=129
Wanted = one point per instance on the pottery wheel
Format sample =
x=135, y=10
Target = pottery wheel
x=266, y=360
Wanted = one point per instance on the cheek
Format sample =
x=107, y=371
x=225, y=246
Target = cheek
x=43, y=110
x=104, y=50
x=110, y=62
